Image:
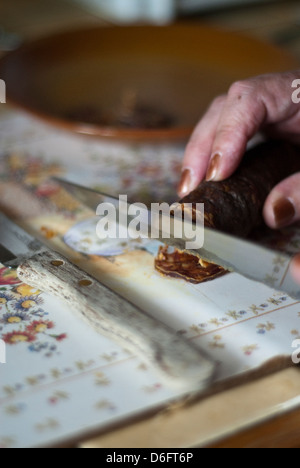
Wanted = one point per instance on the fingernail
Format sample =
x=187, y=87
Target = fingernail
x=213, y=167
x=185, y=184
x=284, y=212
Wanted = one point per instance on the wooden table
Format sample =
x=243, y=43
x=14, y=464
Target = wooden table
x=261, y=414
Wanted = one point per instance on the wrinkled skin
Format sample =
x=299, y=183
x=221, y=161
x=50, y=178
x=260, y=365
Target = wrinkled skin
x=260, y=104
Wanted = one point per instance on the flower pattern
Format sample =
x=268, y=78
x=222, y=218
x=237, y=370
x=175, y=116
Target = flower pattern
x=40, y=326
x=55, y=362
x=15, y=337
x=8, y=277
x=27, y=303
x=18, y=316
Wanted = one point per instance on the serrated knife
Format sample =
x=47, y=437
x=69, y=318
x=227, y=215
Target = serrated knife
x=179, y=363
x=247, y=258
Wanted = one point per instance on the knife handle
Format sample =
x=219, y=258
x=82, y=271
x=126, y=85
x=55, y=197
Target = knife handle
x=181, y=364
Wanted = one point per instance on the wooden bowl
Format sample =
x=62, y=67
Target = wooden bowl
x=177, y=70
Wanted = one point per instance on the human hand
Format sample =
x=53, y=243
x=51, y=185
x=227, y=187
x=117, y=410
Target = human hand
x=219, y=141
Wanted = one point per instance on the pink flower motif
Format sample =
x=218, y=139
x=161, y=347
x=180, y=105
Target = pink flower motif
x=8, y=277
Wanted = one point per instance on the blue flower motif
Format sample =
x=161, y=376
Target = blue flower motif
x=27, y=303
x=38, y=346
x=39, y=313
x=17, y=317
x=5, y=298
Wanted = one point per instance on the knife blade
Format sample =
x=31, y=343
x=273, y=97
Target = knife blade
x=179, y=363
x=251, y=260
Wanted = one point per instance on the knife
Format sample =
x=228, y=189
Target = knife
x=179, y=362
x=247, y=258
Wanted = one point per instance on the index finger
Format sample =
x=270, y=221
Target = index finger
x=198, y=150
x=243, y=114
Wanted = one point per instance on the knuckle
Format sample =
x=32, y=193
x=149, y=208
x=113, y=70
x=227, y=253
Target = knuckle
x=218, y=102
x=232, y=134
x=242, y=88
x=226, y=133
x=238, y=128
x=236, y=124
x=226, y=129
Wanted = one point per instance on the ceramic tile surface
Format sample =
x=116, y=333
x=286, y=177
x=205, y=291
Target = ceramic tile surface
x=61, y=379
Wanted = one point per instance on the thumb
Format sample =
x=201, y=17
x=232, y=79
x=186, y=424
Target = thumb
x=282, y=206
